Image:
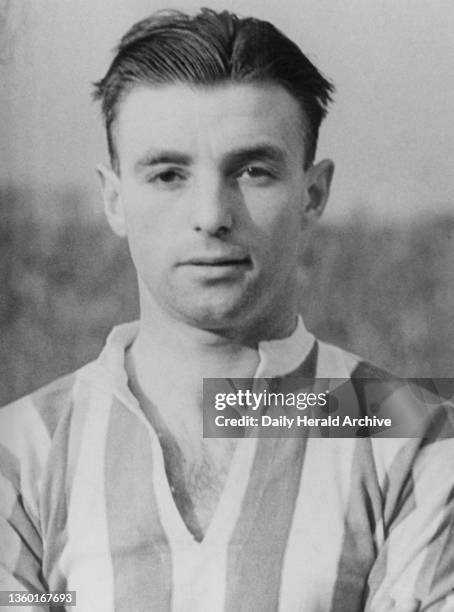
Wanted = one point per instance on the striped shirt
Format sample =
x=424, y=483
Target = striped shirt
x=303, y=524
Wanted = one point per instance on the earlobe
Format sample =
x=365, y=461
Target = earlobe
x=113, y=204
x=319, y=183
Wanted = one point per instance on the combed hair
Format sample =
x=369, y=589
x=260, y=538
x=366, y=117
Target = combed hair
x=207, y=49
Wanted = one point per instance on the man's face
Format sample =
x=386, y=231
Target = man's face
x=213, y=197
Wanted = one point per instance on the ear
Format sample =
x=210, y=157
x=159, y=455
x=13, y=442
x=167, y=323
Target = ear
x=319, y=179
x=113, y=205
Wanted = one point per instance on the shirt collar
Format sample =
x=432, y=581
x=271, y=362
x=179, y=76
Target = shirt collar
x=277, y=357
x=280, y=357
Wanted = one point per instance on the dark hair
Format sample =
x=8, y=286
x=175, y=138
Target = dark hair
x=211, y=47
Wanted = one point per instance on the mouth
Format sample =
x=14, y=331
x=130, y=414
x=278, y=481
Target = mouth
x=223, y=262
x=223, y=267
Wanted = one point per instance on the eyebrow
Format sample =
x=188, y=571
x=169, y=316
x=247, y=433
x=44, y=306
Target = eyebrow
x=155, y=157
x=237, y=157
x=260, y=152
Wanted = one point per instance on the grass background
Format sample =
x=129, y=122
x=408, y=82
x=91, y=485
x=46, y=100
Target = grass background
x=386, y=293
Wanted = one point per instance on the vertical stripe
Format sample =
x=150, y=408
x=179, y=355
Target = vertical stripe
x=54, y=501
x=27, y=568
x=413, y=536
x=317, y=533
x=333, y=362
x=53, y=400
x=25, y=443
x=308, y=367
x=391, y=460
x=21, y=545
x=23, y=433
x=138, y=544
x=10, y=470
x=438, y=569
x=360, y=539
x=86, y=560
x=260, y=539
x=200, y=569
x=58, y=479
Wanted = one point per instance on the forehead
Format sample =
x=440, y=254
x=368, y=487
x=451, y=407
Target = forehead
x=218, y=118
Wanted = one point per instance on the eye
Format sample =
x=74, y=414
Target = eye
x=258, y=175
x=167, y=178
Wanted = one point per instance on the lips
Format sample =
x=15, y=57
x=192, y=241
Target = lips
x=219, y=260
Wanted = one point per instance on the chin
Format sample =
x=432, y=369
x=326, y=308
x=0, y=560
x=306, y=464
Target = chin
x=215, y=314
x=213, y=318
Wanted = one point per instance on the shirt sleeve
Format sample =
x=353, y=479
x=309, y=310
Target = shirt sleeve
x=20, y=540
x=21, y=548
x=416, y=561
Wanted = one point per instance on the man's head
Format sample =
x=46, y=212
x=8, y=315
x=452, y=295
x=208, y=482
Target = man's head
x=213, y=182
x=208, y=49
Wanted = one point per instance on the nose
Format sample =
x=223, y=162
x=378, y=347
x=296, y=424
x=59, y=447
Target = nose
x=212, y=208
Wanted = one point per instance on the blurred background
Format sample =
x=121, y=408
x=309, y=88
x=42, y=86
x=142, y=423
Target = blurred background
x=380, y=269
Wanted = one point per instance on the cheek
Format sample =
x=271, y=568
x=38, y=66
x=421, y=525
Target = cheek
x=278, y=219
x=148, y=244
x=146, y=221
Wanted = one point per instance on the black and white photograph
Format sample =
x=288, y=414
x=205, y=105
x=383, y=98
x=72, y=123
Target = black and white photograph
x=227, y=306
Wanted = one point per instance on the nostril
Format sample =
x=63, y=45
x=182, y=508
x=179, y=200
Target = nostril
x=222, y=231
x=219, y=231
x=213, y=222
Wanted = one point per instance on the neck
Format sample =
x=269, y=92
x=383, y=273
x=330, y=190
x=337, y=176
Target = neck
x=224, y=352
x=169, y=358
x=174, y=347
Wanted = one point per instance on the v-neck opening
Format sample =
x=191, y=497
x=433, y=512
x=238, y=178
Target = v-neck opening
x=227, y=508
x=274, y=361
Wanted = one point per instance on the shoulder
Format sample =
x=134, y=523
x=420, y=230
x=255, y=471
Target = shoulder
x=336, y=362
x=27, y=430
x=29, y=425
x=41, y=409
x=422, y=423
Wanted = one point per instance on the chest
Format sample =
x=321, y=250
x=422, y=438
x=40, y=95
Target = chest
x=197, y=473
x=277, y=539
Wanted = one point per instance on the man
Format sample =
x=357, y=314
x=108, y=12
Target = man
x=109, y=488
